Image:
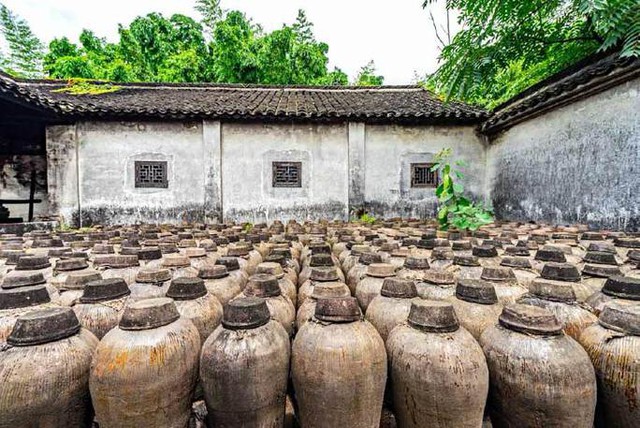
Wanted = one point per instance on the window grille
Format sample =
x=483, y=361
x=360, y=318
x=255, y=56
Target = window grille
x=287, y=174
x=151, y=174
x=422, y=176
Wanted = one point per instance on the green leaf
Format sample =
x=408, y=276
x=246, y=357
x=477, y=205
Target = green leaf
x=458, y=188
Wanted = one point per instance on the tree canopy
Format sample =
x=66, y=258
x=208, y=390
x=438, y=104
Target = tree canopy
x=225, y=46
x=505, y=47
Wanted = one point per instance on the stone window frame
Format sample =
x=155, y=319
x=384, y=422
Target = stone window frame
x=428, y=184
x=286, y=184
x=163, y=183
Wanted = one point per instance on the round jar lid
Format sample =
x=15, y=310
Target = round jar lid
x=213, y=272
x=75, y=263
x=466, y=260
x=398, y=288
x=338, y=310
x=270, y=268
x=77, y=280
x=187, y=288
x=104, y=290
x=320, y=260
x=33, y=263
x=369, y=258
x=262, y=285
x=324, y=290
x=621, y=317
x=44, y=326
x=529, y=320
x=381, y=270
x=433, y=316
x=324, y=274
x=555, y=291
x=498, y=274
x=484, y=251
x=550, y=255
x=230, y=263
x=153, y=276
x=148, y=314
x=600, y=257
x=23, y=297
x=245, y=313
x=622, y=287
x=560, y=272
x=601, y=271
x=175, y=261
x=476, y=291
x=22, y=279
x=416, y=263
x=116, y=261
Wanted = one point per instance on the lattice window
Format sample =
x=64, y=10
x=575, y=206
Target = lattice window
x=287, y=174
x=151, y=174
x=422, y=176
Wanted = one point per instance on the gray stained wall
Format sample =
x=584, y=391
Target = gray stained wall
x=577, y=163
x=223, y=171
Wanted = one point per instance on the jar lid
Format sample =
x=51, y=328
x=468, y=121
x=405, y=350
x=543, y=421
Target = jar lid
x=399, y=288
x=438, y=277
x=148, y=314
x=276, y=258
x=330, y=289
x=461, y=245
x=592, y=236
x=621, y=317
x=22, y=279
x=555, y=291
x=270, y=268
x=550, y=255
x=237, y=251
x=498, y=274
x=285, y=252
x=476, y=291
x=529, y=320
x=560, y=272
x=466, y=260
x=416, y=263
x=324, y=274
x=381, y=270
x=102, y=249
x=13, y=256
x=605, y=247
x=600, y=257
x=23, y=297
x=175, y=261
x=320, y=248
x=262, y=285
x=195, y=252
x=213, y=272
x=75, y=263
x=115, y=261
x=59, y=252
x=369, y=258
x=230, y=263
x=622, y=287
x=485, y=251
x=320, y=260
x=338, y=310
x=433, y=316
x=149, y=253
x=104, y=290
x=245, y=313
x=186, y=288
x=77, y=280
x=166, y=247
x=153, y=276
x=33, y=263
x=627, y=242
x=440, y=253
x=517, y=251
x=601, y=271
x=44, y=326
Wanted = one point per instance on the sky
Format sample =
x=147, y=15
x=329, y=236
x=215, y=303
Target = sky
x=397, y=34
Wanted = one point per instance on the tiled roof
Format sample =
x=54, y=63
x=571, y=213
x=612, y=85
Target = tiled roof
x=588, y=77
x=389, y=104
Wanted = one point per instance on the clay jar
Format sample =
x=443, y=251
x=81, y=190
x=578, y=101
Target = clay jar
x=438, y=364
x=44, y=369
x=73, y=287
x=391, y=307
x=179, y=265
x=144, y=371
x=233, y=267
x=195, y=303
x=614, y=347
x=318, y=275
x=35, y=264
x=244, y=367
x=101, y=305
x=321, y=290
x=623, y=288
x=287, y=287
x=369, y=287
x=150, y=283
x=219, y=283
x=118, y=266
x=16, y=278
x=539, y=376
x=560, y=299
x=505, y=282
x=267, y=287
x=476, y=305
x=414, y=268
x=358, y=271
x=318, y=261
x=338, y=341
x=64, y=267
x=17, y=301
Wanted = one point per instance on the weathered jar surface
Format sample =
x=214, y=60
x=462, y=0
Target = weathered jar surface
x=476, y=305
x=391, y=307
x=195, y=303
x=101, y=305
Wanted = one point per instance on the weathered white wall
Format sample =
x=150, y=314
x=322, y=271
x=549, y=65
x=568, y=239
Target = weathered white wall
x=577, y=163
x=389, y=152
x=248, y=151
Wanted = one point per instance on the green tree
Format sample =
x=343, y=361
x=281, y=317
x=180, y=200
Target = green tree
x=211, y=12
x=505, y=47
x=368, y=77
x=25, y=51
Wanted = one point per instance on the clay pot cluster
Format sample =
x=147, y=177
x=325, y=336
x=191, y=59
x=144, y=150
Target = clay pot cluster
x=321, y=324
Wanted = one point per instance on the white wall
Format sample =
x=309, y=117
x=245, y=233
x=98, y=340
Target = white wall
x=248, y=151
